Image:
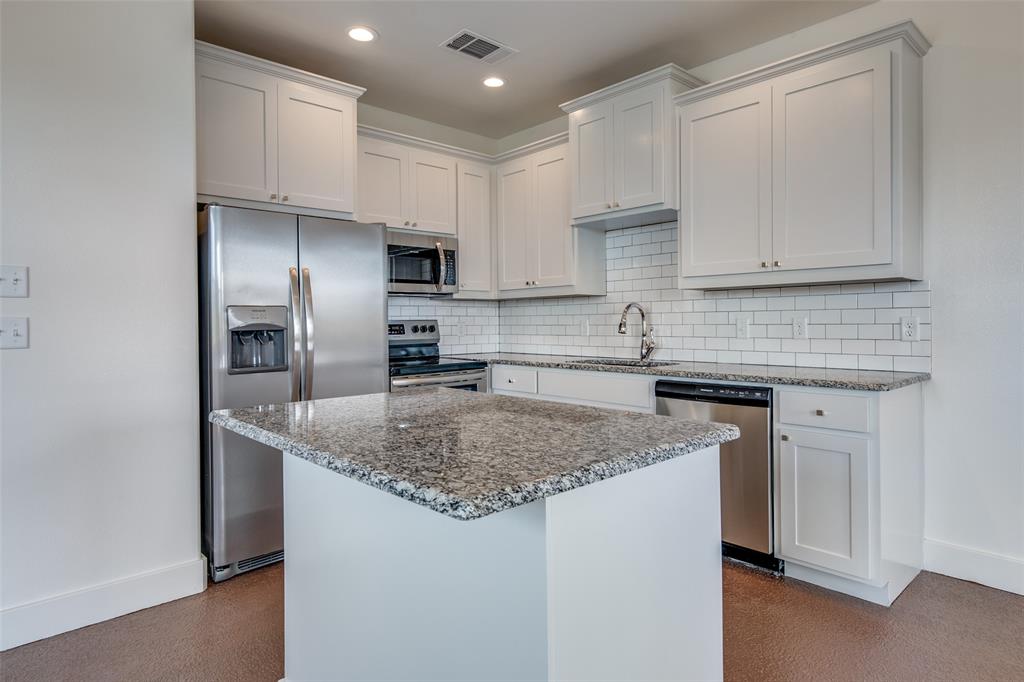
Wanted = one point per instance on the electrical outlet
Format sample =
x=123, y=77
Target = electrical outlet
x=13, y=281
x=14, y=332
x=743, y=327
x=910, y=328
x=799, y=327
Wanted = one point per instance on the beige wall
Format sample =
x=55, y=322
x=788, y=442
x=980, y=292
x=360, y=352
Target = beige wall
x=99, y=464
x=974, y=253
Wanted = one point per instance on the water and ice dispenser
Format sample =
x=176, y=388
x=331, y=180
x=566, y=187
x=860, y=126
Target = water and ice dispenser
x=259, y=335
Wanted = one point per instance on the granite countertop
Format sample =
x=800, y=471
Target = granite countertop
x=851, y=379
x=465, y=454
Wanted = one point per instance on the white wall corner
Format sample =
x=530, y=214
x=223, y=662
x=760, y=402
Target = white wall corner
x=51, y=616
x=966, y=563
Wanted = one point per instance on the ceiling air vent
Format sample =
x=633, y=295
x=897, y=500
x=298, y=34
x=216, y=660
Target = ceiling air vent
x=478, y=47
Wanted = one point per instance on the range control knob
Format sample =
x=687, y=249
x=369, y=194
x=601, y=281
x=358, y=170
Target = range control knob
x=415, y=329
x=432, y=329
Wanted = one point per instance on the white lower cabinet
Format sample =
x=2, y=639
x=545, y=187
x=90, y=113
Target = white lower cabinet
x=825, y=500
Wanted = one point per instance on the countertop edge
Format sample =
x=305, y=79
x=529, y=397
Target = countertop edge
x=668, y=372
x=478, y=507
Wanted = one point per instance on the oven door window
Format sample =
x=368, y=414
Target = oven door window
x=413, y=264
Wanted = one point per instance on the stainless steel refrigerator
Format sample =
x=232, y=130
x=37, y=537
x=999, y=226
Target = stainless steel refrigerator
x=291, y=308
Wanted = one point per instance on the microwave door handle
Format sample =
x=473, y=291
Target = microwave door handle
x=296, y=305
x=441, y=269
x=307, y=289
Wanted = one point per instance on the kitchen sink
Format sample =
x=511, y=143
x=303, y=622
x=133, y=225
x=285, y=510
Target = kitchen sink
x=616, y=362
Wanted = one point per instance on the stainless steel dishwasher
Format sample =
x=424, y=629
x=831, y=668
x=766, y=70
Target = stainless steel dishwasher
x=748, y=531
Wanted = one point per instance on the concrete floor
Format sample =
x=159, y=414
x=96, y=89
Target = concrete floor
x=775, y=629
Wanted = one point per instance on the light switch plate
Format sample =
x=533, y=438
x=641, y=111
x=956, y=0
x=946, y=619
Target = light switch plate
x=13, y=281
x=14, y=332
x=799, y=327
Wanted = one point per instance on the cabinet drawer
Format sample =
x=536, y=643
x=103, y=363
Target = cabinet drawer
x=628, y=392
x=826, y=410
x=516, y=379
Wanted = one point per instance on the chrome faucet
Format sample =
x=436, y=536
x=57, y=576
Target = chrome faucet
x=647, y=344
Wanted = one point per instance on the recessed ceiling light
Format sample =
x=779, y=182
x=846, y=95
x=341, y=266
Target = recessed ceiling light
x=493, y=82
x=363, y=34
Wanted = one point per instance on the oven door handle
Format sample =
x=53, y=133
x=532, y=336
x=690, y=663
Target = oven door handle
x=449, y=380
x=442, y=269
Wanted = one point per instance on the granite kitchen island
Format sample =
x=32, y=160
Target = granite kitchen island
x=445, y=535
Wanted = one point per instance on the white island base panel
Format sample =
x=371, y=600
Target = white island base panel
x=618, y=580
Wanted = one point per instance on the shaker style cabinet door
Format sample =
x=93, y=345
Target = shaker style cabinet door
x=317, y=153
x=725, y=215
x=591, y=141
x=832, y=155
x=515, y=207
x=236, y=132
x=383, y=183
x=474, y=214
x=639, y=177
x=432, y=192
x=824, y=494
x=550, y=244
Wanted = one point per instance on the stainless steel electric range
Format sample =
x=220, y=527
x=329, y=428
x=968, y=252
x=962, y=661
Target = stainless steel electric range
x=414, y=359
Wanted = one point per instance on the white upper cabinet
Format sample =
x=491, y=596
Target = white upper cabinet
x=622, y=150
x=540, y=252
x=236, y=128
x=267, y=133
x=474, y=224
x=725, y=219
x=406, y=187
x=806, y=171
x=832, y=163
x=593, y=158
x=316, y=138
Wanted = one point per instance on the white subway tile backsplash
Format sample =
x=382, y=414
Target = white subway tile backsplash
x=849, y=326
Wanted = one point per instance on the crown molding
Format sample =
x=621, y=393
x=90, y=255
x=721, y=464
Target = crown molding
x=906, y=31
x=667, y=72
x=222, y=54
x=460, y=152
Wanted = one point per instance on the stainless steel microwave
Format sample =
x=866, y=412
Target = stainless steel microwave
x=422, y=264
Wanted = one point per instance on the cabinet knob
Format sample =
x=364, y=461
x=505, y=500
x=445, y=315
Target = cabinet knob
x=777, y=263
x=764, y=264
x=414, y=224
x=820, y=413
x=511, y=380
x=783, y=437
x=406, y=223
x=616, y=205
x=284, y=198
x=527, y=282
x=608, y=205
x=273, y=197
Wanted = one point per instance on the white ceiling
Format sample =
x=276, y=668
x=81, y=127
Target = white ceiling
x=567, y=49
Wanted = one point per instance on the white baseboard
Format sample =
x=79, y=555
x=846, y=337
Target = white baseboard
x=51, y=616
x=995, y=570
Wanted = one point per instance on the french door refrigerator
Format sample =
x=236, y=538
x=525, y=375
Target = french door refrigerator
x=291, y=308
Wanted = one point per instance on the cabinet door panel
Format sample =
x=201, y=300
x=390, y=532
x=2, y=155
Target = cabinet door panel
x=639, y=142
x=825, y=500
x=591, y=141
x=316, y=148
x=515, y=185
x=551, y=242
x=236, y=120
x=383, y=183
x=474, y=228
x=832, y=161
x=725, y=178
x=432, y=186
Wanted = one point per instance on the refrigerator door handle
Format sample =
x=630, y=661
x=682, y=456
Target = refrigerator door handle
x=308, y=291
x=293, y=275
